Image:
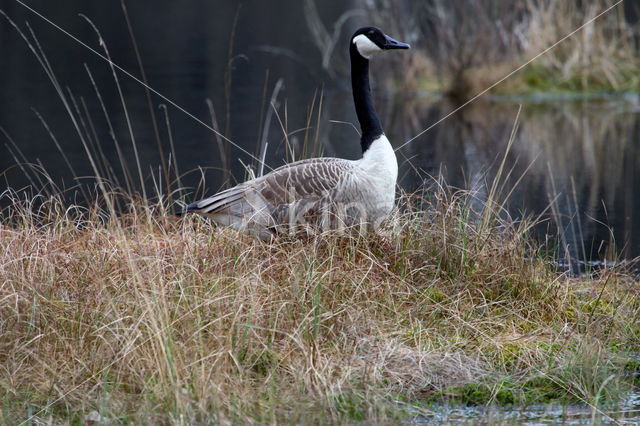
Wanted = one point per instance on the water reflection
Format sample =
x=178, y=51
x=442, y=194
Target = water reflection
x=626, y=413
x=575, y=163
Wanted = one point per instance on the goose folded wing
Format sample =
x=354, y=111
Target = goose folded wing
x=308, y=180
x=302, y=183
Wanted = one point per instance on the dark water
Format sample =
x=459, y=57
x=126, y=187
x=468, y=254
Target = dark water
x=627, y=413
x=575, y=161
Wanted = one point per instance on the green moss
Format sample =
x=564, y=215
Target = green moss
x=481, y=394
x=506, y=396
x=542, y=79
x=469, y=394
x=540, y=390
x=543, y=389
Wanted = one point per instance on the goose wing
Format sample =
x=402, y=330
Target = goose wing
x=306, y=181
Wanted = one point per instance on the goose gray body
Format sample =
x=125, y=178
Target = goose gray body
x=320, y=193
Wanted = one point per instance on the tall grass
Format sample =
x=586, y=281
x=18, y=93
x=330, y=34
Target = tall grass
x=147, y=318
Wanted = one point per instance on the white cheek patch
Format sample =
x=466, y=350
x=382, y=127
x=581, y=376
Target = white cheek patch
x=365, y=46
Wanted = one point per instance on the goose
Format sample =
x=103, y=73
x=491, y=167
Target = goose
x=320, y=193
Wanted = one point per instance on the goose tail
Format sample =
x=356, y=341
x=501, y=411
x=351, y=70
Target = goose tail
x=218, y=202
x=191, y=208
x=202, y=207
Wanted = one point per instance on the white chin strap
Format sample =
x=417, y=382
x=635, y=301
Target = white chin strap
x=365, y=46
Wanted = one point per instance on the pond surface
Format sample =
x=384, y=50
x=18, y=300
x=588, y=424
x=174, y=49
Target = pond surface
x=575, y=161
x=627, y=413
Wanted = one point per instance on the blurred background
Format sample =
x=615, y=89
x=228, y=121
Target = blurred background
x=273, y=77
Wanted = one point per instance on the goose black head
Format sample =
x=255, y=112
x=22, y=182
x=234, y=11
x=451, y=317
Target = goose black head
x=370, y=40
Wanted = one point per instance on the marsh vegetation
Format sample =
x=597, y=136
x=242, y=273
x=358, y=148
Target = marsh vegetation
x=144, y=317
x=112, y=309
x=469, y=45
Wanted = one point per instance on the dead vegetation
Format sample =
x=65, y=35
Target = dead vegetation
x=463, y=47
x=148, y=318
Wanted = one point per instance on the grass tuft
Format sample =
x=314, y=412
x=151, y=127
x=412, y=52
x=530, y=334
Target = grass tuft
x=144, y=317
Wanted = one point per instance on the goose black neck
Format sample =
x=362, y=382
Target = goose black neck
x=369, y=122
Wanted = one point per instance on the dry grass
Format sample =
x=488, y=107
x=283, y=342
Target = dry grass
x=147, y=318
x=603, y=56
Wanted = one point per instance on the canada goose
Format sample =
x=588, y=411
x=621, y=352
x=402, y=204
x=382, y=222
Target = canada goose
x=324, y=192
